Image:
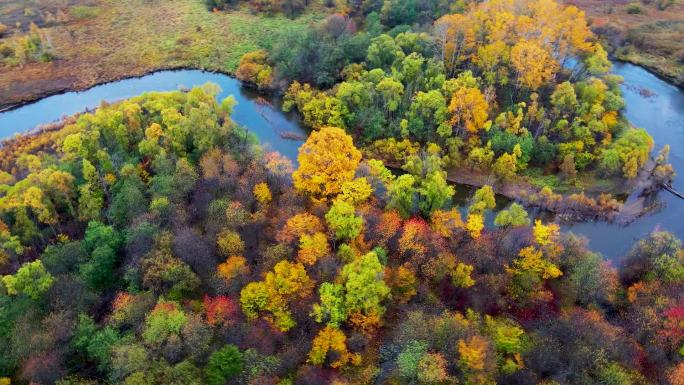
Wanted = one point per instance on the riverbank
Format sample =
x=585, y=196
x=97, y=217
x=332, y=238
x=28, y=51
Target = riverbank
x=573, y=207
x=115, y=78
x=118, y=41
x=641, y=33
x=664, y=69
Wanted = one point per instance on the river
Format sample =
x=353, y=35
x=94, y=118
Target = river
x=660, y=110
x=263, y=120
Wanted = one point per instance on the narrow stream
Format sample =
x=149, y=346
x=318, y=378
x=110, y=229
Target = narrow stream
x=651, y=103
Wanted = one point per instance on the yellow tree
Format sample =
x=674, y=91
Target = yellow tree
x=533, y=64
x=332, y=342
x=262, y=193
x=312, y=248
x=469, y=109
x=298, y=225
x=232, y=268
x=475, y=225
x=327, y=160
x=287, y=282
x=455, y=38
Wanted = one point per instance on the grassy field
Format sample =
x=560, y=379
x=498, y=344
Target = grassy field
x=641, y=33
x=102, y=40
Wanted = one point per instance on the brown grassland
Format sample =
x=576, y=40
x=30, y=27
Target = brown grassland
x=96, y=41
x=641, y=32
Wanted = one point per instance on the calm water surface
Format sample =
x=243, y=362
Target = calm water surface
x=662, y=114
x=263, y=120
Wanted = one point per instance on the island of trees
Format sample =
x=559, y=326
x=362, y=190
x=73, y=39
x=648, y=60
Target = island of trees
x=515, y=93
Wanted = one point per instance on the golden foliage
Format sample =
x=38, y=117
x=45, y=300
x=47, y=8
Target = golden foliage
x=446, y=223
x=472, y=353
x=469, y=109
x=312, y=247
x=475, y=225
x=299, y=225
x=262, y=193
x=327, y=160
x=331, y=340
x=233, y=267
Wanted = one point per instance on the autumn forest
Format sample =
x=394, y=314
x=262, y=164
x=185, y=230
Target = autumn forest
x=154, y=240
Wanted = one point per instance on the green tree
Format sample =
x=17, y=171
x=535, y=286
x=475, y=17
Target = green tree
x=482, y=200
x=434, y=192
x=224, y=364
x=514, y=216
x=96, y=343
x=102, y=243
x=343, y=221
x=164, y=322
x=383, y=52
x=332, y=308
x=402, y=193
x=365, y=289
x=31, y=279
x=410, y=357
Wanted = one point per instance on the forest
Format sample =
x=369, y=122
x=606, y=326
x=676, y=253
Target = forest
x=155, y=241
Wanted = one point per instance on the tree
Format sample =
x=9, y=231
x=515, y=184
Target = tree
x=403, y=283
x=365, y=289
x=401, y=193
x=232, y=268
x=533, y=64
x=428, y=116
x=434, y=192
x=31, y=279
x=298, y=225
x=568, y=167
x=164, y=273
x=446, y=223
x=262, y=193
x=409, y=359
x=469, y=110
x=383, y=52
x=461, y=276
x=564, y=98
x=514, y=216
x=254, y=68
x=342, y=220
x=545, y=235
x=529, y=271
x=285, y=283
x=475, y=225
x=163, y=323
x=356, y=191
x=432, y=369
x=472, y=353
x=230, y=243
x=332, y=305
x=505, y=166
x=483, y=200
x=331, y=342
x=219, y=310
x=312, y=248
x=327, y=160
x=224, y=364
